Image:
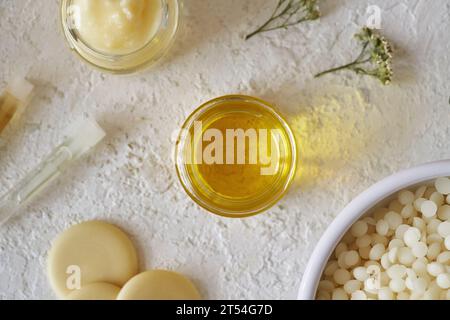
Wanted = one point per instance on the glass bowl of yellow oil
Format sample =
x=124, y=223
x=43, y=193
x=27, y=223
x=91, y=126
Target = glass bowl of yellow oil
x=236, y=156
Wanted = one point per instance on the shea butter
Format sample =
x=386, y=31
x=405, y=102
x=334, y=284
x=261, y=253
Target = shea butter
x=118, y=26
x=120, y=36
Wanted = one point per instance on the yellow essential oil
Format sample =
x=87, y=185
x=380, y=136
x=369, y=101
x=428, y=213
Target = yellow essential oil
x=239, y=180
x=236, y=156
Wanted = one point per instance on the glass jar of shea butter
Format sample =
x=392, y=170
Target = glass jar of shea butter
x=120, y=36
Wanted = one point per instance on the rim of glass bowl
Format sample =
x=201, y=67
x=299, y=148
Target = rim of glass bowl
x=183, y=174
x=171, y=7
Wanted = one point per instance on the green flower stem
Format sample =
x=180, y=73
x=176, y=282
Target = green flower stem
x=262, y=30
x=273, y=17
x=375, y=58
x=259, y=30
x=347, y=66
x=286, y=11
x=357, y=62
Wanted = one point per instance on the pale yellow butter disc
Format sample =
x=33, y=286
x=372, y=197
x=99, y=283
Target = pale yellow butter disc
x=159, y=285
x=91, y=252
x=95, y=291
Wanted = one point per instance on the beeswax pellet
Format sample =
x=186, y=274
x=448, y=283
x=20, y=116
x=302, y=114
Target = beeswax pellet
x=443, y=185
x=429, y=208
x=359, y=229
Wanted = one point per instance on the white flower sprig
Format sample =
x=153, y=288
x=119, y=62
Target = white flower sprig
x=374, y=60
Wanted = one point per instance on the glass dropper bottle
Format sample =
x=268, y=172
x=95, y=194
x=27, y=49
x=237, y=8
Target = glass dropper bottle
x=14, y=100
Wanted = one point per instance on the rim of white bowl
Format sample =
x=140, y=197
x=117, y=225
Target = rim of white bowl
x=357, y=208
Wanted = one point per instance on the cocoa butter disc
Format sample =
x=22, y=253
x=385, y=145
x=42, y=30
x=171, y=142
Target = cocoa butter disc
x=159, y=285
x=91, y=252
x=95, y=291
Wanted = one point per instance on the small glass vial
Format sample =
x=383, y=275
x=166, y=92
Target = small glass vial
x=120, y=36
x=14, y=100
x=236, y=156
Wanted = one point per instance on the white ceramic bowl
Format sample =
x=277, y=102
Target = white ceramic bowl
x=361, y=205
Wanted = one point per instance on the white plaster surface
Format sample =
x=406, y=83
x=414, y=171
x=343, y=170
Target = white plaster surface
x=352, y=132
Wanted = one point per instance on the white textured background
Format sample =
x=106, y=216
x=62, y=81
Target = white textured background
x=352, y=132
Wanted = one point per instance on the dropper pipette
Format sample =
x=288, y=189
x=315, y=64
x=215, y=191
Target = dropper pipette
x=87, y=135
